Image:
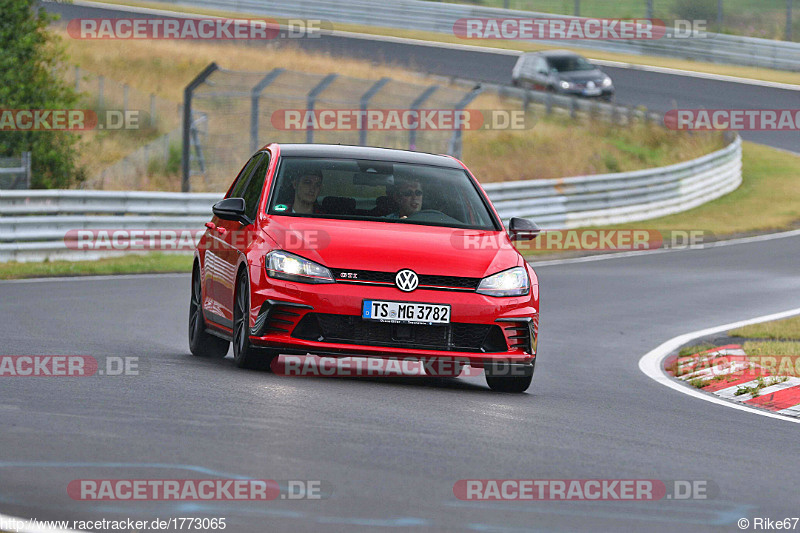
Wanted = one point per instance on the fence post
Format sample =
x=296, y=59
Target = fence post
x=573, y=107
x=455, y=140
x=26, y=162
x=152, y=110
x=312, y=98
x=549, y=102
x=365, y=98
x=255, y=96
x=187, y=122
x=125, y=89
x=100, y=84
x=77, y=79
x=412, y=134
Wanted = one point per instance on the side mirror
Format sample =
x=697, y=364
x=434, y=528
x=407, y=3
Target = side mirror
x=522, y=229
x=231, y=209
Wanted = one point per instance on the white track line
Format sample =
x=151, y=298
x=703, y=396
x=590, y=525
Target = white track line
x=107, y=277
x=650, y=363
x=715, y=244
x=473, y=48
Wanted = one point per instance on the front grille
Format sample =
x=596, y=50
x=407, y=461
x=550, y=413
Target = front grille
x=348, y=329
x=425, y=281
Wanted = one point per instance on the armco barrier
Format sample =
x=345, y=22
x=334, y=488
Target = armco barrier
x=439, y=17
x=33, y=223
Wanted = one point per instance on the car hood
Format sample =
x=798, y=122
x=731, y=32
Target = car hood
x=582, y=76
x=389, y=247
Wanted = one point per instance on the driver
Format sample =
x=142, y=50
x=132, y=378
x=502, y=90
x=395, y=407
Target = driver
x=306, y=189
x=407, y=196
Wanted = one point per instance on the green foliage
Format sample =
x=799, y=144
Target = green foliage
x=170, y=167
x=30, y=59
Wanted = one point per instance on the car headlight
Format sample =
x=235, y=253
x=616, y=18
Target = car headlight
x=565, y=85
x=606, y=82
x=511, y=282
x=283, y=265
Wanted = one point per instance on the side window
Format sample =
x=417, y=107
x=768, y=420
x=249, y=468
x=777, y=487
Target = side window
x=252, y=192
x=241, y=179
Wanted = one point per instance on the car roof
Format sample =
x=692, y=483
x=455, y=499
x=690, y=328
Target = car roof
x=366, y=152
x=553, y=53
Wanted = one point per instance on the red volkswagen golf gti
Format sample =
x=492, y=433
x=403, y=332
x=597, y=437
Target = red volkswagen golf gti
x=371, y=252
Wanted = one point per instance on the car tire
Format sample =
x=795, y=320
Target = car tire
x=245, y=355
x=499, y=380
x=202, y=343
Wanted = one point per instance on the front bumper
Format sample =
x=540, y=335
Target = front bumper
x=326, y=320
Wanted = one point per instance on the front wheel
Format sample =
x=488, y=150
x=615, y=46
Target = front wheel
x=245, y=355
x=202, y=343
x=504, y=377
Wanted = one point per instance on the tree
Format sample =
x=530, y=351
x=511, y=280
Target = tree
x=31, y=59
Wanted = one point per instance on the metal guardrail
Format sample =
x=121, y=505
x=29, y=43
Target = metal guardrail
x=33, y=224
x=623, y=197
x=15, y=177
x=439, y=18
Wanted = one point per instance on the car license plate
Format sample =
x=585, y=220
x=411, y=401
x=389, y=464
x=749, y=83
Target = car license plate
x=592, y=92
x=405, y=312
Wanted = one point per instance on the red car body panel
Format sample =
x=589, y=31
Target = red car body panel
x=358, y=245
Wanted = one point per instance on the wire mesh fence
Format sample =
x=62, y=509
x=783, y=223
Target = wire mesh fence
x=15, y=172
x=103, y=94
x=233, y=113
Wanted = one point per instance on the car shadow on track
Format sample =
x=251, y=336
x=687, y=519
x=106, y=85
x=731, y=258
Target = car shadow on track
x=405, y=380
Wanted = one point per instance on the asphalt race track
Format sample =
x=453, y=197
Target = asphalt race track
x=391, y=450
x=657, y=91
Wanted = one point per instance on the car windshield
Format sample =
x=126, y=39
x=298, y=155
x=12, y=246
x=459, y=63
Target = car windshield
x=357, y=189
x=569, y=63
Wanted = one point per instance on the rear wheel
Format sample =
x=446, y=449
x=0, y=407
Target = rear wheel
x=504, y=377
x=245, y=354
x=201, y=343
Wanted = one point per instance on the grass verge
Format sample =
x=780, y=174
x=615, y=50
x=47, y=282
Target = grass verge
x=787, y=329
x=129, y=264
x=768, y=199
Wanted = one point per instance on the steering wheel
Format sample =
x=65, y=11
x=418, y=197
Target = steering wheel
x=432, y=215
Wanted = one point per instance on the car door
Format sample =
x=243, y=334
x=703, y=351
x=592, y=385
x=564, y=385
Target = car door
x=541, y=74
x=237, y=236
x=217, y=277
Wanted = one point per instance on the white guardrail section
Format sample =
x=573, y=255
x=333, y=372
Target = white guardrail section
x=33, y=224
x=439, y=17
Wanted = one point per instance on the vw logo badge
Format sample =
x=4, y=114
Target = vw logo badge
x=590, y=85
x=406, y=280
